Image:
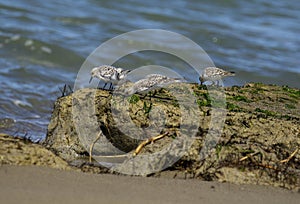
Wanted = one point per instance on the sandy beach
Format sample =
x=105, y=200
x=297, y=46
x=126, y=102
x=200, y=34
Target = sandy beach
x=32, y=184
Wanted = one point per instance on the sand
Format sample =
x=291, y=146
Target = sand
x=32, y=184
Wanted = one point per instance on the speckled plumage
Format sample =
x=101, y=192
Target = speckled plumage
x=109, y=74
x=150, y=82
x=214, y=74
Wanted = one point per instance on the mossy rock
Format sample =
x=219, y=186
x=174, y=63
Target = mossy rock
x=261, y=122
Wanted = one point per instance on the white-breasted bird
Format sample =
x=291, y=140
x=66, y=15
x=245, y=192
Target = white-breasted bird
x=150, y=82
x=214, y=74
x=109, y=74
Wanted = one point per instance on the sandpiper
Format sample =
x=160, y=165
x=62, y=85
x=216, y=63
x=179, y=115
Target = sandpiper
x=214, y=74
x=109, y=74
x=150, y=82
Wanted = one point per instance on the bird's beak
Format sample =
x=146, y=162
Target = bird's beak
x=90, y=80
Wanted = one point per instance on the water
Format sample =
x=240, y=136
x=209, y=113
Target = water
x=44, y=43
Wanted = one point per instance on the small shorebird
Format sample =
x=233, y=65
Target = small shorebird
x=109, y=74
x=150, y=82
x=214, y=74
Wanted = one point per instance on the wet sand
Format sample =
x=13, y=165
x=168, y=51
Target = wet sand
x=32, y=184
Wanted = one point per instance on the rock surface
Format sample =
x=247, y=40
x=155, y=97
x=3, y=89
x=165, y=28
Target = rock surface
x=240, y=134
x=251, y=137
x=20, y=151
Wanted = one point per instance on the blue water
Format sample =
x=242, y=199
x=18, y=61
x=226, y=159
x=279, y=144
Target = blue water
x=44, y=43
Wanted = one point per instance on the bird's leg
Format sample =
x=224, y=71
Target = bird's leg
x=154, y=93
x=143, y=96
x=111, y=86
x=92, y=146
x=149, y=94
x=147, y=109
x=104, y=85
x=201, y=80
